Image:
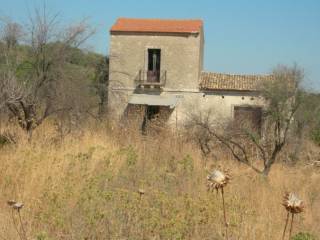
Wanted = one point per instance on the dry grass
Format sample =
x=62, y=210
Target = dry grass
x=86, y=187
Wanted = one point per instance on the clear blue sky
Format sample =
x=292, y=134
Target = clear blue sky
x=241, y=36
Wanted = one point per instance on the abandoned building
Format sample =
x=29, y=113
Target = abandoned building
x=156, y=70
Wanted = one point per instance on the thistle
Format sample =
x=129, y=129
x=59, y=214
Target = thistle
x=17, y=206
x=141, y=192
x=11, y=202
x=218, y=180
x=293, y=205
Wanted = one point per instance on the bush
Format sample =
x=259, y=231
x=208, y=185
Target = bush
x=6, y=138
x=303, y=236
x=315, y=135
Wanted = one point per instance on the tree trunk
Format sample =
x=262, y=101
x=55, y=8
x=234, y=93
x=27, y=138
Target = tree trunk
x=29, y=132
x=266, y=170
x=267, y=166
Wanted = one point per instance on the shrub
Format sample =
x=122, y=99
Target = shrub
x=6, y=138
x=315, y=135
x=42, y=236
x=303, y=236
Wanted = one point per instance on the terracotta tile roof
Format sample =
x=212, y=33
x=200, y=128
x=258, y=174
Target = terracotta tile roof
x=221, y=81
x=157, y=25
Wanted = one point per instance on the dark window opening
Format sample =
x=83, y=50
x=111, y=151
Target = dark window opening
x=247, y=117
x=154, y=63
x=152, y=112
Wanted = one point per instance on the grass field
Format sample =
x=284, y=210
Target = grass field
x=85, y=186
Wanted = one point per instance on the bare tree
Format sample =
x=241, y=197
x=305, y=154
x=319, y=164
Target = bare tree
x=31, y=88
x=283, y=98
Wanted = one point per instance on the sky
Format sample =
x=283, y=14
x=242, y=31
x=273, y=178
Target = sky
x=241, y=36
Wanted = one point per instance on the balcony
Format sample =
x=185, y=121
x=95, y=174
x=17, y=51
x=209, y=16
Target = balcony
x=148, y=78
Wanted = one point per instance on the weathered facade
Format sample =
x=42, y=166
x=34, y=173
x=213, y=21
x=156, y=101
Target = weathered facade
x=156, y=68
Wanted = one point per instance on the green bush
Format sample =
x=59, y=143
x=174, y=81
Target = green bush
x=315, y=135
x=42, y=236
x=6, y=138
x=303, y=236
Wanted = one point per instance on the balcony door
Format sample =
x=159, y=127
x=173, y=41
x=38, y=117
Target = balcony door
x=154, y=63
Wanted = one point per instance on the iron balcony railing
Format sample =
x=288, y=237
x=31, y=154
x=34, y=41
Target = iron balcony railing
x=152, y=78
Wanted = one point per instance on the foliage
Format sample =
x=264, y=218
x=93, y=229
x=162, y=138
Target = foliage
x=101, y=83
x=3, y=140
x=315, y=135
x=303, y=236
x=42, y=236
x=308, y=117
x=46, y=73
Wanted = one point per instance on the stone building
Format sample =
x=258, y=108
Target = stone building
x=156, y=70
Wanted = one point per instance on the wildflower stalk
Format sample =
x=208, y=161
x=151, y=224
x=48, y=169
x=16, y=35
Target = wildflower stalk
x=224, y=214
x=218, y=180
x=285, y=226
x=293, y=205
x=292, y=215
x=17, y=206
x=22, y=227
x=15, y=224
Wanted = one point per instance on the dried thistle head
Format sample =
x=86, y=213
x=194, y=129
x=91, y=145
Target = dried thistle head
x=293, y=203
x=218, y=179
x=17, y=206
x=141, y=191
x=11, y=202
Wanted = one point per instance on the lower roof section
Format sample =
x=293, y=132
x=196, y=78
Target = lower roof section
x=235, y=82
x=154, y=100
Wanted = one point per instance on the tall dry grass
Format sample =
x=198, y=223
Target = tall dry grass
x=85, y=186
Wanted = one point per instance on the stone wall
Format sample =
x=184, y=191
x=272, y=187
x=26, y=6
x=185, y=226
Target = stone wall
x=220, y=104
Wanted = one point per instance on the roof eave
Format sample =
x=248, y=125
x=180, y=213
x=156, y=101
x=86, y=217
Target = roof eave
x=155, y=32
x=228, y=90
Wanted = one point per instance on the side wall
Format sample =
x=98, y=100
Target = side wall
x=219, y=103
x=201, y=56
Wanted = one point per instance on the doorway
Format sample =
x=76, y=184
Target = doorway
x=151, y=113
x=154, y=65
